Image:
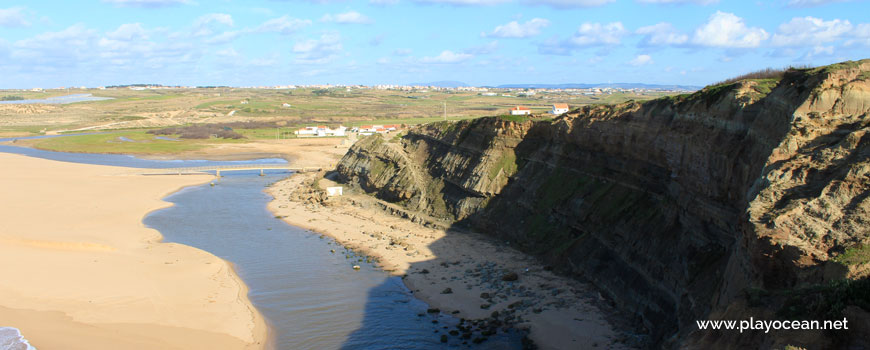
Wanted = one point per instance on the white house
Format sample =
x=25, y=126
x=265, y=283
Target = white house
x=286, y=105
x=308, y=130
x=373, y=128
x=340, y=131
x=321, y=131
x=520, y=110
x=559, y=108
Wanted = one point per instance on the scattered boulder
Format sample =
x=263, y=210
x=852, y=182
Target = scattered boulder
x=447, y=290
x=510, y=277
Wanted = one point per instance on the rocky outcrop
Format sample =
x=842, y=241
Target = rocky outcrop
x=674, y=207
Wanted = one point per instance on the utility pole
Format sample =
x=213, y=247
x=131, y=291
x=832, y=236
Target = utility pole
x=445, y=110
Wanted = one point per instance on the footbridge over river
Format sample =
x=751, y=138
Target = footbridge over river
x=217, y=169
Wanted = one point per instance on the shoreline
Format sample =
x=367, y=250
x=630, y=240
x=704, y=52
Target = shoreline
x=77, y=283
x=308, y=152
x=458, y=273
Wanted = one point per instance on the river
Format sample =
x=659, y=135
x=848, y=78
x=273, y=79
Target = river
x=311, y=297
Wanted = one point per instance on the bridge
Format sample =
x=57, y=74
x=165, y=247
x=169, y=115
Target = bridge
x=217, y=169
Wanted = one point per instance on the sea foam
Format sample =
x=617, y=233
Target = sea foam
x=11, y=339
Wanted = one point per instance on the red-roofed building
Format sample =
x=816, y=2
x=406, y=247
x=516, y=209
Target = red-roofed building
x=560, y=108
x=520, y=110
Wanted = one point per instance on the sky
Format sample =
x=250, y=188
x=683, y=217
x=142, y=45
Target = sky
x=480, y=42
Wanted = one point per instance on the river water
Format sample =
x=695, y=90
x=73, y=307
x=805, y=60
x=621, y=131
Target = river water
x=311, y=297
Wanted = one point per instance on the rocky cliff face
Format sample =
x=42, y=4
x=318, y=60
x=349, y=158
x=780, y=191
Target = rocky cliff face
x=674, y=207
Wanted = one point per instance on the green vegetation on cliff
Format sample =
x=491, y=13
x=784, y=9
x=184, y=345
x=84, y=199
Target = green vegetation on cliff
x=856, y=255
x=827, y=301
x=671, y=204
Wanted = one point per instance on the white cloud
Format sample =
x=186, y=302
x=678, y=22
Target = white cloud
x=318, y=51
x=810, y=3
x=448, y=56
x=223, y=38
x=463, y=2
x=350, y=17
x=221, y=18
x=383, y=2
x=661, y=34
x=728, y=31
x=128, y=32
x=822, y=50
x=13, y=17
x=588, y=35
x=146, y=3
x=283, y=25
x=229, y=53
x=805, y=31
x=76, y=36
x=699, y=2
x=209, y=24
x=516, y=30
x=641, y=60
x=592, y=34
x=861, y=35
x=569, y=3
x=127, y=47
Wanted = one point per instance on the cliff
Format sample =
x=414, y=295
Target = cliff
x=679, y=208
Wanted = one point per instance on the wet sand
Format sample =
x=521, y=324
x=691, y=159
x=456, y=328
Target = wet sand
x=560, y=313
x=80, y=271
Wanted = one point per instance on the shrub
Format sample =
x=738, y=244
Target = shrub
x=767, y=73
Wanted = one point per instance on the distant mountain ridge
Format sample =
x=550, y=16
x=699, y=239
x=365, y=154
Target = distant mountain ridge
x=608, y=85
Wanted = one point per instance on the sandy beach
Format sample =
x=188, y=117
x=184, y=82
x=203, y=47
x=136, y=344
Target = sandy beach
x=80, y=270
x=460, y=273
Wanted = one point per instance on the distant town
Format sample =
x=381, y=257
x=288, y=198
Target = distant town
x=532, y=91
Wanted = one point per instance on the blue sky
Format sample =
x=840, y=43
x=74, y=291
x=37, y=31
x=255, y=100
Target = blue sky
x=480, y=42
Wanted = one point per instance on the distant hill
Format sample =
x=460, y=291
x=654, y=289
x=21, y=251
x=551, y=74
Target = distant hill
x=444, y=84
x=609, y=85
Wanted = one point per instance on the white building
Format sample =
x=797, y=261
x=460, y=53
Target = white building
x=321, y=131
x=520, y=110
x=559, y=108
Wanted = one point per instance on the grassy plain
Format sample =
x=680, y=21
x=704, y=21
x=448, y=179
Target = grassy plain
x=132, y=112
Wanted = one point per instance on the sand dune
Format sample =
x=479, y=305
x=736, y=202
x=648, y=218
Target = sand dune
x=78, y=269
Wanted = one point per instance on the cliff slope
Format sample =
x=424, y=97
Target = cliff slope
x=677, y=208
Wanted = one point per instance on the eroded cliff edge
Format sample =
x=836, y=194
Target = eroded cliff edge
x=678, y=208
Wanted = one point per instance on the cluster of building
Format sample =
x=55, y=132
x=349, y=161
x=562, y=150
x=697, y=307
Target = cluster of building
x=366, y=130
x=558, y=109
x=320, y=131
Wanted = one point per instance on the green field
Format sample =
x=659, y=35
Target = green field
x=138, y=109
x=139, y=142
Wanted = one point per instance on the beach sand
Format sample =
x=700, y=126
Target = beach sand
x=559, y=312
x=78, y=269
